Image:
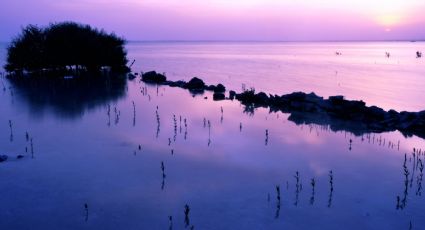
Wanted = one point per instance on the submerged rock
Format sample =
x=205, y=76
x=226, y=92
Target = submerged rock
x=3, y=158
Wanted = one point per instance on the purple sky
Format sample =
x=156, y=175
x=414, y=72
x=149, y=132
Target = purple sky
x=270, y=20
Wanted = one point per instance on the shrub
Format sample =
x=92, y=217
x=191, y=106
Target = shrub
x=65, y=46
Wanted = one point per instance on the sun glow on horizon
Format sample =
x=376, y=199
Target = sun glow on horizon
x=383, y=12
x=231, y=19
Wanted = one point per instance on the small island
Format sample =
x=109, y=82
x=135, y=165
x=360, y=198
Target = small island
x=65, y=48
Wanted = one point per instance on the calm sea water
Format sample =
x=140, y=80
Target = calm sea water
x=217, y=159
x=362, y=72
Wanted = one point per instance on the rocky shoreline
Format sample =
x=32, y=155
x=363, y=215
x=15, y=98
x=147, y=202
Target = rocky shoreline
x=337, y=112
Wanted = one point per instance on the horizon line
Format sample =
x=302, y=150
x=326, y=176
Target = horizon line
x=263, y=41
x=282, y=41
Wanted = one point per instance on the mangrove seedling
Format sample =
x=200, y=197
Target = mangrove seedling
x=186, y=215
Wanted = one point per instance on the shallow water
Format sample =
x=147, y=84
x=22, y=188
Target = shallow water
x=226, y=172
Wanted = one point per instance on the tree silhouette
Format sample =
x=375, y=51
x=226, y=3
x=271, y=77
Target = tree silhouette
x=65, y=47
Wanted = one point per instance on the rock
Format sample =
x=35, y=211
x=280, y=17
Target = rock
x=296, y=96
x=195, y=84
x=300, y=101
x=217, y=89
x=179, y=84
x=220, y=89
x=407, y=120
x=353, y=108
x=373, y=114
x=232, y=94
x=249, y=97
x=313, y=98
x=336, y=99
x=421, y=115
x=3, y=158
x=246, y=97
x=218, y=96
x=261, y=98
x=391, y=118
x=153, y=77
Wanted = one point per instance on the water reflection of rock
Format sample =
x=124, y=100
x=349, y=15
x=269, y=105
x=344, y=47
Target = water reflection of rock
x=68, y=98
x=335, y=125
x=337, y=112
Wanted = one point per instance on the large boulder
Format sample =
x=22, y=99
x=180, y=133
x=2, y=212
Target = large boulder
x=153, y=77
x=340, y=108
x=195, y=84
x=232, y=94
x=336, y=99
x=246, y=97
x=220, y=89
x=313, y=98
x=249, y=97
x=407, y=120
x=261, y=98
x=295, y=96
x=303, y=106
x=374, y=114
